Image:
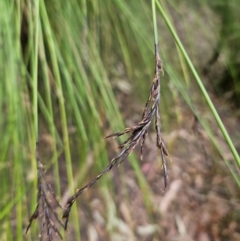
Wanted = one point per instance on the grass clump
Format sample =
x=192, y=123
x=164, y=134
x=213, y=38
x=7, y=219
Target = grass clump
x=60, y=62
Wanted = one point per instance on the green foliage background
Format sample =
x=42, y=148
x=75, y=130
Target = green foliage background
x=76, y=54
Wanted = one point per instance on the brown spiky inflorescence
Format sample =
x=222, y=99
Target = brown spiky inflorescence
x=46, y=198
x=138, y=135
x=46, y=203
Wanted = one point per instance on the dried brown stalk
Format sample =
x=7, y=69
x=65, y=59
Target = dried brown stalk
x=138, y=135
x=46, y=202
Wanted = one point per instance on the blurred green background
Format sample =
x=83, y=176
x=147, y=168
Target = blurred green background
x=92, y=64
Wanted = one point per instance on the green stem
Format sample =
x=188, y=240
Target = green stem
x=201, y=86
x=63, y=115
x=35, y=72
x=154, y=22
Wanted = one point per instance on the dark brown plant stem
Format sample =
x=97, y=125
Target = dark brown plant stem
x=46, y=202
x=138, y=135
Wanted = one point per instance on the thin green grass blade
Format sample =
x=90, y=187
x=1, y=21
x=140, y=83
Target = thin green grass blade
x=201, y=86
x=54, y=61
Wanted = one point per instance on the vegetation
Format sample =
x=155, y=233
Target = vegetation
x=71, y=71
